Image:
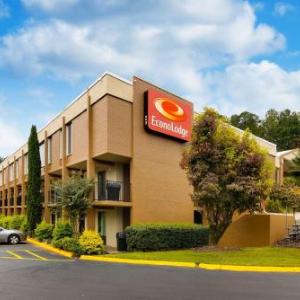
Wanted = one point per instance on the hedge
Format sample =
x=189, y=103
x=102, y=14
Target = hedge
x=152, y=237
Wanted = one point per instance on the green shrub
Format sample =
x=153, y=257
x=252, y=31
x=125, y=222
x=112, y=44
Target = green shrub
x=69, y=244
x=43, y=231
x=16, y=222
x=6, y=220
x=152, y=237
x=274, y=206
x=2, y=220
x=62, y=230
x=24, y=226
x=12, y=222
x=91, y=242
x=57, y=243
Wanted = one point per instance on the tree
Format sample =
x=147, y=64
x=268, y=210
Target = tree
x=287, y=195
x=279, y=127
x=34, y=197
x=247, y=120
x=282, y=128
x=72, y=196
x=2, y=159
x=228, y=171
x=295, y=170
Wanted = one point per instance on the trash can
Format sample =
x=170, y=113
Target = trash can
x=121, y=241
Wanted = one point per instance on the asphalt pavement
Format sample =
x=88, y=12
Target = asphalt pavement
x=49, y=276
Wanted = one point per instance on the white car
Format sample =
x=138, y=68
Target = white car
x=11, y=236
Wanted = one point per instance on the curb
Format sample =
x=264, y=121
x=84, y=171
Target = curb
x=138, y=261
x=261, y=269
x=212, y=267
x=50, y=248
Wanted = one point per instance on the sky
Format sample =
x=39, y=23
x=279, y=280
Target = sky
x=232, y=55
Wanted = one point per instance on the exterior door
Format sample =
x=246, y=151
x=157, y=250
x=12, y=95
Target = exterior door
x=102, y=225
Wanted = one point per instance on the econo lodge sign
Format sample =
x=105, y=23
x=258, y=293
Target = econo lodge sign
x=168, y=116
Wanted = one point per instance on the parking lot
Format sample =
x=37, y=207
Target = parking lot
x=28, y=252
x=29, y=272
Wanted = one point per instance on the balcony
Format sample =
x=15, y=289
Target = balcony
x=108, y=193
x=112, y=193
x=109, y=190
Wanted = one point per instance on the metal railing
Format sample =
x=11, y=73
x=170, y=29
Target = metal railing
x=110, y=190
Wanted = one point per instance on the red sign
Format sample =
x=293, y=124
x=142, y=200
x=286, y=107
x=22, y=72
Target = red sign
x=168, y=116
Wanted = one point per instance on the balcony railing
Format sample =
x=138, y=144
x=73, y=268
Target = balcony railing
x=110, y=190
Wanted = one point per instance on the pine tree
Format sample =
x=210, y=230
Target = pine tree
x=34, y=198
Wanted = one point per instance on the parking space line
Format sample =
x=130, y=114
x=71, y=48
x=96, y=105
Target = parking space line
x=36, y=255
x=14, y=254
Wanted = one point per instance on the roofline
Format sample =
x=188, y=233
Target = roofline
x=286, y=152
x=82, y=93
x=106, y=73
x=259, y=138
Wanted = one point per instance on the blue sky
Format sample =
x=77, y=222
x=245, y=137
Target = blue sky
x=233, y=55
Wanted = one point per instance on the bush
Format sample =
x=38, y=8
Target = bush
x=69, y=244
x=24, y=226
x=2, y=220
x=62, y=230
x=12, y=222
x=5, y=221
x=43, y=231
x=91, y=242
x=16, y=222
x=153, y=237
x=274, y=206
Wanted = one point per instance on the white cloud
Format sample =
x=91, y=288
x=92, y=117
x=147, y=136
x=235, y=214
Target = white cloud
x=9, y=133
x=176, y=49
x=10, y=136
x=50, y=5
x=255, y=87
x=61, y=49
x=4, y=10
x=282, y=8
x=189, y=35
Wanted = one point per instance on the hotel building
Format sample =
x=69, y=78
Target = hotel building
x=129, y=138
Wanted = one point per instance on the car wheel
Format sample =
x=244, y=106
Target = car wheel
x=14, y=239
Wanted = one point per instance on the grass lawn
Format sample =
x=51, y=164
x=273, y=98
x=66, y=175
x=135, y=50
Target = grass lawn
x=265, y=256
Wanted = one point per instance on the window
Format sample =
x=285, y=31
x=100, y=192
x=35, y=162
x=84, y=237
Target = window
x=197, y=217
x=49, y=150
x=11, y=172
x=60, y=144
x=17, y=168
x=69, y=139
x=26, y=164
x=42, y=154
